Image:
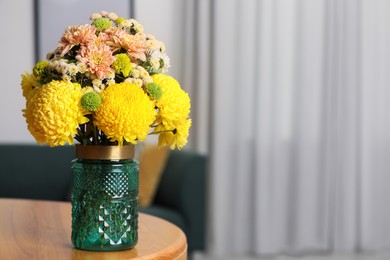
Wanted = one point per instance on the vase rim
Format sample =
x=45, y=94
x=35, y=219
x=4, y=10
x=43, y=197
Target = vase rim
x=104, y=152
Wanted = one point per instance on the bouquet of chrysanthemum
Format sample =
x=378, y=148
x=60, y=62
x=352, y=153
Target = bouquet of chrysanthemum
x=104, y=85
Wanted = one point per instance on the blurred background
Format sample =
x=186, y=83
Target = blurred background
x=290, y=103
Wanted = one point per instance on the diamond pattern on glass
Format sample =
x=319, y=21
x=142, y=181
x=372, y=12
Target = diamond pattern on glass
x=104, y=205
x=116, y=223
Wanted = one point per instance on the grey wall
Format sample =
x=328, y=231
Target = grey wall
x=17, y=52
x=56, y=15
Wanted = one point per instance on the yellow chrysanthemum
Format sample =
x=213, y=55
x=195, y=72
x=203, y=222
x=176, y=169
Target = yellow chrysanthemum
x=28, y=83
x=174, y=105
x=177, y=137
x=125, y=114
x=53, y=112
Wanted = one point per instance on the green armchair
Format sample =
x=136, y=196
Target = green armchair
x=41, y=172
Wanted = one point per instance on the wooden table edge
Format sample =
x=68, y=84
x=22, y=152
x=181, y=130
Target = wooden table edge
x=176, y=250
x=179, y=248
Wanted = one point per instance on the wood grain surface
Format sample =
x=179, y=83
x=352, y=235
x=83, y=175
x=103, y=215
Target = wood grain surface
x=34, y=229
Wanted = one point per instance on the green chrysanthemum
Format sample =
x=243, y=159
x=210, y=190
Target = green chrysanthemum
x=40, y=67
x=154, y=91
x=91, y=101
x=122, y=64
x=101, y=24
x=125, y=114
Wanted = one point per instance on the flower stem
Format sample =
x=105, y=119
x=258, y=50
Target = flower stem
x=162, y=131
x=95, y=135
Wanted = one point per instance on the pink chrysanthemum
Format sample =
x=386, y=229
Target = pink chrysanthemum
x=115, y=38
x=98, y=59
x=75, y=35
x=135, y=45
x=101, y=39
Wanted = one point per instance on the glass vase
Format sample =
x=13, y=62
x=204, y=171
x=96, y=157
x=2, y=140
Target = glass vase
x=104, y=199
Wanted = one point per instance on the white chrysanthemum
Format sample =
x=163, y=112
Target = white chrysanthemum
x=139, y=28
x=98, y=85
x=150, y=36
x=82, y=67
x=156, y=64
x=152, y=44
x=130, y=80
x=124, y=24
x=155, y=59
x=49, y=55
x=112, y=16
x=165, y=59
x=62, y=67
x=72, y=69
x=143, y=72
x=56, y=65
x=95, y=16
x=104, y=13
x=138, y=82
x=52, y=65
x=162, y=47
x=99, y=89
x=135, y=73
x=110, y=82
x=96, y=82
x=66, y=78
x=111, y=76
x=148, y=80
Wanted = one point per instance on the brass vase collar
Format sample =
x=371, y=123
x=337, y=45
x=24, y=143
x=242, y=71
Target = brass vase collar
x=104, y=152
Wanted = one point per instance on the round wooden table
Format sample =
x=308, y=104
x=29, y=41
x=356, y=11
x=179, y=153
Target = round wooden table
x=34, y=229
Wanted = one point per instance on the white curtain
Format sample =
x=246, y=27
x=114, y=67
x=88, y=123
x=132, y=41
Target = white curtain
x=293, y=105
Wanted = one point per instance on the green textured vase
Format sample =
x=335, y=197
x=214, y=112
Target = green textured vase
x=104, y=203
